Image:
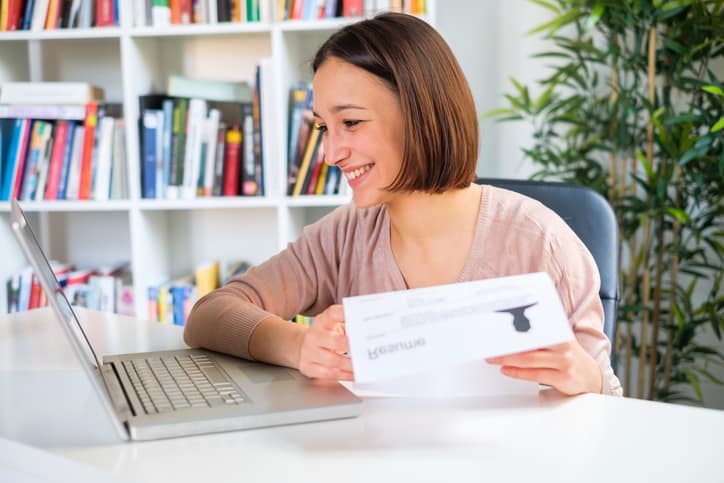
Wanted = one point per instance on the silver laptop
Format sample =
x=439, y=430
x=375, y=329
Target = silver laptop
x=192, y=391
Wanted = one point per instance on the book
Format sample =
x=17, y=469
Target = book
x=211, y=90
x=86, y=164
x=69, y=112
x=45, y=93
x=206, y=277
x=232, y=161
x=56, y=160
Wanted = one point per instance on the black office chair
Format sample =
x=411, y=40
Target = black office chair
x=592, y=219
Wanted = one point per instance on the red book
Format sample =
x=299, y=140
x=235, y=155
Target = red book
x=315, y=173
x=35, y=293
x=86, y=160
x=297, y=10
x=104, y=13
x=233, y=161
x=22, y=152
x=352, y=8
x=14, y=13
x=56, y=160
x=186, y=11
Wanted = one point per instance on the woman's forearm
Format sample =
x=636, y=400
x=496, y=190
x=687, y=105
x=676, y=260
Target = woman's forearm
x=277, y=341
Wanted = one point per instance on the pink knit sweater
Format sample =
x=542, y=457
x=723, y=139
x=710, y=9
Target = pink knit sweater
x=348, y=253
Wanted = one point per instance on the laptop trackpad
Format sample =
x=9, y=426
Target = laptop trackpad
x=263, y=373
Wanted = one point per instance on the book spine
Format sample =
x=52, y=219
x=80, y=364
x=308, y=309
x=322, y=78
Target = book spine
x=65, y=165
x=72, y=187
x=149, y=153
x=10, y=167
x=21, y=157
x=56, y=160
x=86, y=172
x=104, y=13
x=233, y=159
x=217, y=189
x=248, y=177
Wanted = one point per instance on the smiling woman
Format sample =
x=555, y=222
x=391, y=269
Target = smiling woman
x=397, y=117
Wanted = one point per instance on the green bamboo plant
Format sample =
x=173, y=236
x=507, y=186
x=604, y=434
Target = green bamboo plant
x=634, y=108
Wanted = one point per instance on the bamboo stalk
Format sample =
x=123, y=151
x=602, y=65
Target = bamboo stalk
x=612, y=161
x=629, y=296
x=673, y=285
x=647, y=224
x=654, y=355
x=645, y=286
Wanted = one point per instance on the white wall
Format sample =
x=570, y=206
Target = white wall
x=489, y=39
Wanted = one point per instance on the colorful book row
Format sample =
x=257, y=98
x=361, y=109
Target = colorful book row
x=37, y=15
x=66, y=158
x=319, y=9
x=161, y=13
x=172, y=300
x=307, y=173
x=106, y=289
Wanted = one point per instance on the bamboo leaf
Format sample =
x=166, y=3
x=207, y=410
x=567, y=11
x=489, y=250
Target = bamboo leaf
x=712, y=89
x=680, y=215
x=595, y=16
x=694, y=381
x=558, y=22
x=709, y=376
x=547, y=5
x=645, y=163
x=497, y=112
x=718, y=126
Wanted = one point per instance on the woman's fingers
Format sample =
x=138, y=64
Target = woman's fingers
x=541, y=358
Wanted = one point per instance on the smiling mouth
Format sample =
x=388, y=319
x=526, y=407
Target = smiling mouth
x=351, y=175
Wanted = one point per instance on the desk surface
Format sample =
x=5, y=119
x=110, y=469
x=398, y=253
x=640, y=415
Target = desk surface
x=541, y=438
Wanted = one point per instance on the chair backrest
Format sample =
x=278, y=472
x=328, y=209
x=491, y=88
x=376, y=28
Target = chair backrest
x=592, y=219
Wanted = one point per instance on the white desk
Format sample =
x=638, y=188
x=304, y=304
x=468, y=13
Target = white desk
x=546, y=438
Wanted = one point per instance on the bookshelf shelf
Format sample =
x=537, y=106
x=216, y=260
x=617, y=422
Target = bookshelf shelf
x=207, y=203
x=316, y=201
x=61, y=206
x=169, y=238
x=316, y=25
x=62, y=34
x=201, y=30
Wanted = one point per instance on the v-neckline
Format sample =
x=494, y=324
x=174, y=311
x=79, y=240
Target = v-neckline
x=399, y=279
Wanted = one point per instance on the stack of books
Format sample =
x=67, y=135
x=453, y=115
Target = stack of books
x=307, y=173
x=60, y=141
x=39, y=15
x=109, y=289
x=203, y=139
x=171, y=300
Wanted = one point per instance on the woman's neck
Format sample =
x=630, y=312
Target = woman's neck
x=421, y=217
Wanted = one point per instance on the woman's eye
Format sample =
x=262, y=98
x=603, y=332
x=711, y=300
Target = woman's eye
x=321, y=128
x=351, y=123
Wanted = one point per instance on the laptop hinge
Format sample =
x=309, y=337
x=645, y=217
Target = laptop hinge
x=118, y=396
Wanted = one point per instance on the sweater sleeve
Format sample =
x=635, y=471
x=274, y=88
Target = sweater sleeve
x=578, y=283
x=300, y=279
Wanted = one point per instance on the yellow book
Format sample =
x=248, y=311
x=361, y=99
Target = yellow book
x=319, y=190
x=207, y=278
x=4, y=15
x=306, y=161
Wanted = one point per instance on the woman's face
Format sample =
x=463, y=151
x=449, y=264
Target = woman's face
x=362, y=128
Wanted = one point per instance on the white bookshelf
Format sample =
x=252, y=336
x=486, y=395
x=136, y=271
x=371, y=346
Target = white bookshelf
x=163, y=238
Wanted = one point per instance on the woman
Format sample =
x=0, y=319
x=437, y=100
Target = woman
x=397, y=117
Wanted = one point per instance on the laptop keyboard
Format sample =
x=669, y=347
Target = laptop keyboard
x=166, y=384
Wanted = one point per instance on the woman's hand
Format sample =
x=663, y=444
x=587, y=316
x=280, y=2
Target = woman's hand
x=566, y=367
x=323, y=348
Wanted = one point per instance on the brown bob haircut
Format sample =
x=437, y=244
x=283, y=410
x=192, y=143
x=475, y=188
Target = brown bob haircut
x=440, y=122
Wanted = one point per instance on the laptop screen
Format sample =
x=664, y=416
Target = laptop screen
x=53, y=291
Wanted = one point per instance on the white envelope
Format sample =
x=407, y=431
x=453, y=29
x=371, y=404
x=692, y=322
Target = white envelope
x=394, y=334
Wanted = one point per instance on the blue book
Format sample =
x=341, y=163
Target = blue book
x=27, y=15
x=150, y=124
x=10, y=160
x=181, y=295
x=65, y=168
x=167, y=139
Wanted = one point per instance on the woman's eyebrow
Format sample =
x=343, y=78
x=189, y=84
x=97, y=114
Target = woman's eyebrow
x=341, y=107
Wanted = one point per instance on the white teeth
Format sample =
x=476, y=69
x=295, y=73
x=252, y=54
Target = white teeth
x=357, y=172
